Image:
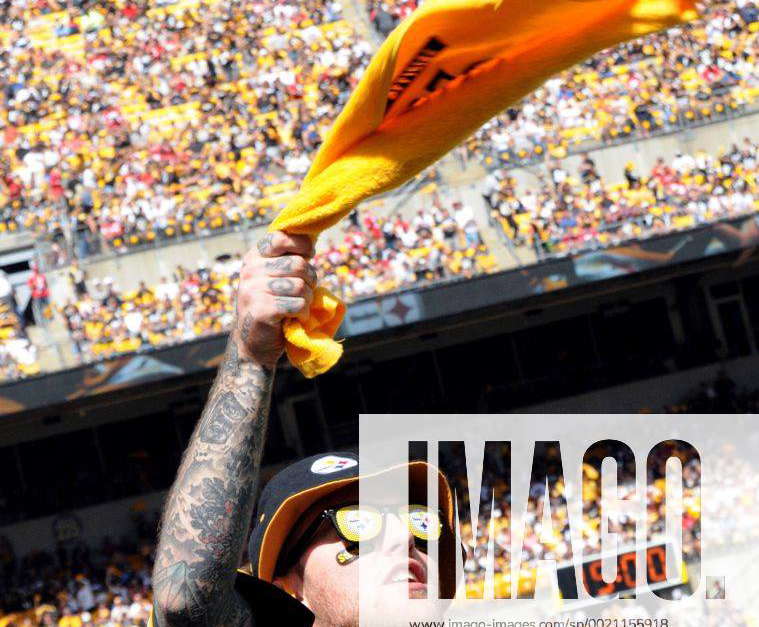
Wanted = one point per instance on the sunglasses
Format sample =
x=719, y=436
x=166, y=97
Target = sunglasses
x=355, y=523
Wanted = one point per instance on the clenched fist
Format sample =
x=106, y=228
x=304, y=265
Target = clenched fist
x=276, y=282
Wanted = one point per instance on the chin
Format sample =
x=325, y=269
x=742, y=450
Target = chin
x=396, y=604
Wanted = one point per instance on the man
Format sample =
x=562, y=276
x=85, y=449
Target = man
x=303, y=565
x=37, y=283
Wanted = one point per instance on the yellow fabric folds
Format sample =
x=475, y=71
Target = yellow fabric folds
x=447, y=69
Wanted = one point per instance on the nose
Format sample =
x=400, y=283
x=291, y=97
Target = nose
x=397, y=538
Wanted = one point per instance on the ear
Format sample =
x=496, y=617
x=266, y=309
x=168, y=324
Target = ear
x=291, y=582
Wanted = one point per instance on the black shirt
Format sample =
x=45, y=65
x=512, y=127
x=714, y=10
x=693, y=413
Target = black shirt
x=269, y=605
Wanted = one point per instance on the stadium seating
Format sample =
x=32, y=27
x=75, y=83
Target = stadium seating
x=662, y=82
x=573, y=213
x=170, y=120
x=376, y=255
x=147, y=123
x=138, y=123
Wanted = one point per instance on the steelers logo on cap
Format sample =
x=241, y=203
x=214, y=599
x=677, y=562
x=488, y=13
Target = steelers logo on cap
x=331, y=463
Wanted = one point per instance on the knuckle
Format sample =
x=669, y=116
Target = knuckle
x=299, y=287
x=299, y=264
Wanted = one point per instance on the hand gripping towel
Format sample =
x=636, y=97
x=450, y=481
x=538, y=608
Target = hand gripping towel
x=442, y=73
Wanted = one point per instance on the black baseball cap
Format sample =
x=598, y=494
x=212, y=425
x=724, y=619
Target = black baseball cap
x=296, y=488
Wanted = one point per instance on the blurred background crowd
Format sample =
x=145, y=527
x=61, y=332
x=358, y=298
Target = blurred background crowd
x=78, y=585
x=374, y=255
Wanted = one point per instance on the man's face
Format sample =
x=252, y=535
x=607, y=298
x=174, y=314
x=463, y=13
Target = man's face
x=395, y=566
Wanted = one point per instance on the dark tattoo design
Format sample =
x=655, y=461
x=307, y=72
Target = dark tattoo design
x=209, y=507
x=282, y=287
x=231, y=364
x=225, y=412
x=265, y=244
x=246, y=329
x=281, y=265
x=288, y=305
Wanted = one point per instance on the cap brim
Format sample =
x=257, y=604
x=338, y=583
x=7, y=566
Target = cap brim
x=288, y=513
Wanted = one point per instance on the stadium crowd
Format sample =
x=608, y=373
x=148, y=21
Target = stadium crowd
x=375, y=255
x=662, y=82
x=566, y=213
x=138, y=123
x=18, y=355
x=170, y=120
x=79, y=586
x=385, y=15
x=379, y=254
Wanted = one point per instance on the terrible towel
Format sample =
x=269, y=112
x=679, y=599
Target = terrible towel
x=446, y=70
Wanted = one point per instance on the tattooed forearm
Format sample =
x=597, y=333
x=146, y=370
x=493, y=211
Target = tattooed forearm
x=246, y=329
x=210, y=505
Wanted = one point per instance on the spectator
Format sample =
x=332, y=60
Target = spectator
x=37, y=283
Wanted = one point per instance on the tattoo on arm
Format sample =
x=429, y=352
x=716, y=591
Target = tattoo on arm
x=209, y=508
x=312, y=278
x=246, y=329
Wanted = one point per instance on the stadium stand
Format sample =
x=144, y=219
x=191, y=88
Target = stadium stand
x=736, y=476
x=175, y=119
x=573, y=213
x=379, y=255
x=116, y=139
x=385, y=16
x=657, y=84
x=375, y=255
x=79, y=586
x=141, y=123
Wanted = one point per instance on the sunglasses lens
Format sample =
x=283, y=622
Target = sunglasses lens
x=358, y=524
x=423, y=522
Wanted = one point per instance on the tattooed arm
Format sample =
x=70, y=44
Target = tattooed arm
x=208, y=511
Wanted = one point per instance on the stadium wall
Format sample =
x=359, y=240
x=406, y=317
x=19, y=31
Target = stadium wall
x=89, y=525
x=149, y=265
x=414, y=310
x=711, y=138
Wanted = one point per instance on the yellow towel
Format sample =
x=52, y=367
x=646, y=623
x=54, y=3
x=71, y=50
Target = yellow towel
x=447, y=69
